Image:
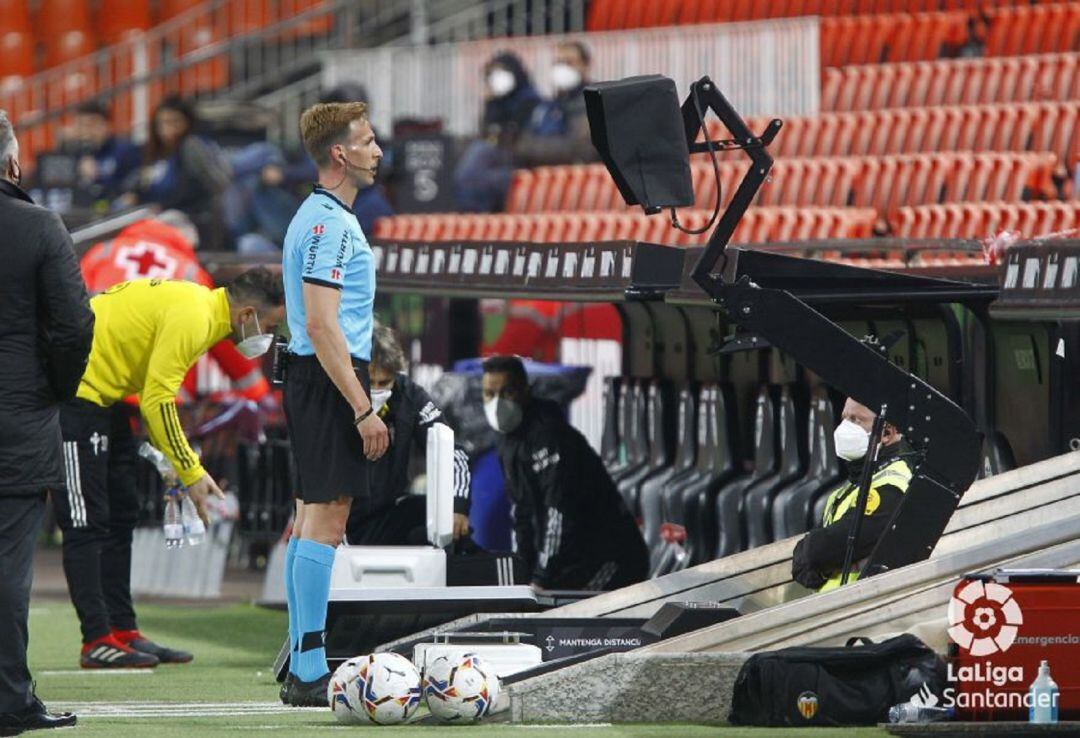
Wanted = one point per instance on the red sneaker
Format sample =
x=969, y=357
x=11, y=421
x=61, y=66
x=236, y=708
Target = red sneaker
x=109, y=653
x=139, y=642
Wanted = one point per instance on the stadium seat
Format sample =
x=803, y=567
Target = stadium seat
x=609, y=435
x=662, y=435
x=55, y=17
x=116, y=19
x=951, y=82
x=671, y=551
x=729, y=509
x=318, y=24
x=793, y=505
x=981, y=219
x=1029, y=29
x=16, y=59
x=716, y=467
x=868, y=39
x=67, y=46
x=791, y=450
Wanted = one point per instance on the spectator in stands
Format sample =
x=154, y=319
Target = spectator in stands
x=105, y=159
x=558, y=132
x=572, y=528
x=482, y=176
x=819, y=556
x=182, y=170
x=392, y=516
x=258, y=202
x=371, y=202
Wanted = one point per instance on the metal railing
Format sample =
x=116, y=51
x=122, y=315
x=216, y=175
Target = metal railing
x=217, y=48
x=764, y=68
x=499, y=19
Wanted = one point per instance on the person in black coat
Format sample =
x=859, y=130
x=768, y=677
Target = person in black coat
x=392, y=515
x=46, y=330
x=571, y=527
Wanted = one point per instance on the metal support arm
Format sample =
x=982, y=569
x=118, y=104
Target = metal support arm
x=931, y=422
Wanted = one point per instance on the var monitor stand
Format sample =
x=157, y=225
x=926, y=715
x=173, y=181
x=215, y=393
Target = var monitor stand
x=380, y=593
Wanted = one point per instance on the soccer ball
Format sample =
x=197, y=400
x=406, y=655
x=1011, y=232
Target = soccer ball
x=460, y=689
x=337, y=692
x=385, y=689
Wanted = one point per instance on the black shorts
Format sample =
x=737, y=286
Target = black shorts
x=326, y=446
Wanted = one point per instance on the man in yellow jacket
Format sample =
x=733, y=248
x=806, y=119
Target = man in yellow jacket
x=147, y=335
x=819, y=557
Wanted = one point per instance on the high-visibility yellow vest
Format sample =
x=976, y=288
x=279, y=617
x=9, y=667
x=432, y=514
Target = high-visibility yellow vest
x=844, y=498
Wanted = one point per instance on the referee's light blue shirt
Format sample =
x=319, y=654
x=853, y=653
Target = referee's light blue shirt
x=325, y=246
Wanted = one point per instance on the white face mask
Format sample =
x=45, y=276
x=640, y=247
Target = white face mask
x=565, y=77
x=502, y=414
x=252, y=347
x=851, y=441
x=501, y=82
x=379, y=398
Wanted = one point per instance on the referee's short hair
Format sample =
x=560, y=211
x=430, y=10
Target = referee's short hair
x=512, y=367
x=259, y=287
x=386, y=351
x=325, y=124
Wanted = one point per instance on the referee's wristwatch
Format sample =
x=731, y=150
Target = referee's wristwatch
x=363, y=416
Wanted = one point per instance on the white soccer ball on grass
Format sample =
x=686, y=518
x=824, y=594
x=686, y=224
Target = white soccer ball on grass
x=460, y=689
x=382, y=688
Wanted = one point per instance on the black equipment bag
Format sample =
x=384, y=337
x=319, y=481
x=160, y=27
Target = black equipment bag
x=853, y=685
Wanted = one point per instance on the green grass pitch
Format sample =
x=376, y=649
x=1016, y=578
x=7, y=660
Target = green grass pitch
x=229, y=691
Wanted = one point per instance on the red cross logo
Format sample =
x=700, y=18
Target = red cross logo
x=146, y=260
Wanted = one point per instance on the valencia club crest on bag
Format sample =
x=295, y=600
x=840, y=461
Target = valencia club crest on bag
x=808, y=705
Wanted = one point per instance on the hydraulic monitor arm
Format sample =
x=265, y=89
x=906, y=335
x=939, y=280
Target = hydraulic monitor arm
x=942, y=432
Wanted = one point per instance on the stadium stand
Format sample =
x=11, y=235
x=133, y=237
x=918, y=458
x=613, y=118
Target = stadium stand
x=948, y=82
x=1033, y=29
x=866, y=181
x=759, y=226
x=1042, y=126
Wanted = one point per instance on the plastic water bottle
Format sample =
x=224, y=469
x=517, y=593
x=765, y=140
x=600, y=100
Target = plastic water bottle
x=194, y=528
x=1044, y=697
x=155, y=457
x=911, y=713
x=174, y=526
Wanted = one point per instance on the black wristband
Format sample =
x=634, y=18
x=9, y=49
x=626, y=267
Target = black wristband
x=363, y=416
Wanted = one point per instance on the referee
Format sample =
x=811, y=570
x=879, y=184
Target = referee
x=329, y=273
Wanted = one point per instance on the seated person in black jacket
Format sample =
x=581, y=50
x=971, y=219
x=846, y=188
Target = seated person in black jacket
x=393, y=516
x=571, y=527
x=819, y=557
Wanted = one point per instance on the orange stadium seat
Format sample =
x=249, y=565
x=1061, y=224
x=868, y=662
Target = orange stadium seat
x=869, y=39
x=1031, y=29
x=952, y=82
x=760, y=224
x=66, y=46
x=1042, y=126
x=982, y=219
x=16, y=58
x=55, y=17
x=116, y=19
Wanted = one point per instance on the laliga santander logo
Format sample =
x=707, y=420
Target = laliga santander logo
x=984, y=618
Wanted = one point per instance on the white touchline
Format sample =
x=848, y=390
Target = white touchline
x=97, y=672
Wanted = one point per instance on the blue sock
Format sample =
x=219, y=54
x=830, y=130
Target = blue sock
x=311, y=582
x=290, y=598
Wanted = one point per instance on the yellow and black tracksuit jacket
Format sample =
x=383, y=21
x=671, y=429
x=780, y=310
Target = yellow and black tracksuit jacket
x=819, y=557
x=147, y=335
